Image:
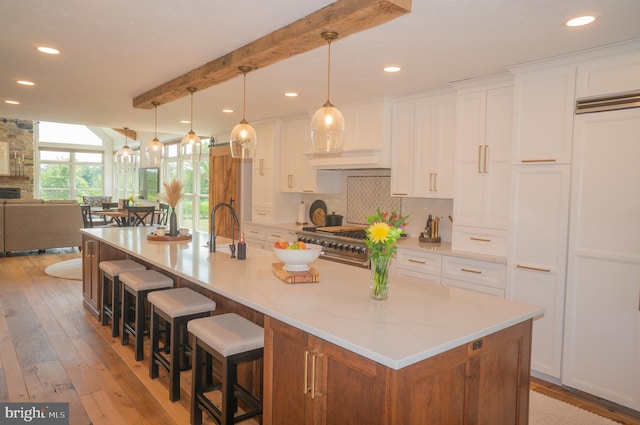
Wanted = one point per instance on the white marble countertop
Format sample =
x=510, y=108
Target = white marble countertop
x=418, y=321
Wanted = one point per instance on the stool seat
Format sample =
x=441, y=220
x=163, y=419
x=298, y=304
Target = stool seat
x=110, y=300
x=145, y=280
x=171, y=310
x=181, y=302
x=115, y=267
x=228, y=334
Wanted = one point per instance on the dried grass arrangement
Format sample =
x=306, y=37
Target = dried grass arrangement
x=172, y=193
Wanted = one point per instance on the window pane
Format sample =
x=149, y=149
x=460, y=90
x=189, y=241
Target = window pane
x=54, y=176
x=171, y=150
x=203, y=216
x=88, y=157
x=54, y=194
x=55, y=156
x=172, y=171
x=204, y=178
x=187, y=212
x=187, y=176
x=88, y=180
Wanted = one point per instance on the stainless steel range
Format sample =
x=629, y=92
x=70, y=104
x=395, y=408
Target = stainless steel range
x=343, y=244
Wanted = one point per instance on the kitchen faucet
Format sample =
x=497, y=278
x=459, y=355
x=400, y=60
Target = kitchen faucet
x=212, y=228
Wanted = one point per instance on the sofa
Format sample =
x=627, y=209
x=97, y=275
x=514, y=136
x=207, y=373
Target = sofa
x=30, y=224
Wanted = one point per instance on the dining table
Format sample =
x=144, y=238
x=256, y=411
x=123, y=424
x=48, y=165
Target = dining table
x=119, y=216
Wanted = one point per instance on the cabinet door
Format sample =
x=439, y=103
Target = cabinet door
x=262, y=176
x=286, y=368
x=537, y=255
x=424, y=141
x=602, y=332
x=543, y=117
x=402, y=152
x=296, y=175
x=91, y=274
x=444, y=148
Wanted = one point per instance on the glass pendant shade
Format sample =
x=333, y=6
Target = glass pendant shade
x=243, y=140
x=155, y=150
x=191, y=143
x=327, y=124
x=126, y=158
x=327, y=130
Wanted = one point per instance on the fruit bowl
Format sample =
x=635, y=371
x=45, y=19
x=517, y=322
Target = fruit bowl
x=297, y=260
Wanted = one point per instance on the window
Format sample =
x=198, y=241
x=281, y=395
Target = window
x=70, y=174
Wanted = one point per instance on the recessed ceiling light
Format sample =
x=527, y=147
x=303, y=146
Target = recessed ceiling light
x=392, y=69
x=48, y=50
x=12, y=102
x=291, y=94
x=185, y=122
x=228, y=111
x=580, y=21
x=26, y=83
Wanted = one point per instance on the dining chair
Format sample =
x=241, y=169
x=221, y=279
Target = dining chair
x=140, y=216
x=86, y=216
x=109, y=205
x=164, y=214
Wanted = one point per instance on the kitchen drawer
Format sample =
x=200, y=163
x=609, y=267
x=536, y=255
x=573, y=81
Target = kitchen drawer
x=417, y=261
x=274, y=234
x=426, y=277
x=476, y=272
x=473, y=287
x=261, y=214
x=251, y=231
x=480, y=240
x=256, y=243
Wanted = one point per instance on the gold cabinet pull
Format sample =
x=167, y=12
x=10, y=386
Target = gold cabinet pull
x=537, y=269
x=306, y=372
x=435, y=182
x=479, y=159
x=261, y=167
x=399, y=194
x=411, y=260
x=308, y=190
x=289, y=180
x=480, y=239
x=528, y=161
x=430, y=182
x=313, y=376
x=486, y=149
x=470, y=271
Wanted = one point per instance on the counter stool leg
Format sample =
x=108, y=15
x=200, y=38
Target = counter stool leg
x=105, y=297
x=115, y=307
x=174, y=365
x=124, y=312
x=197, y=381
x=154, y=335
x=139, y=325
x=228, y=401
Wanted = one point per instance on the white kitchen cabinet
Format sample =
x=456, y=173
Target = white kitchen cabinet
x=536, y=262
x=544, y=104
x=483, y=160
x=615, y=71
x=261, y=236
x=602, y=323
x=423, y=138
x=418, y=264
x=367, y=142
x=481, y=276
x=268, y=204
x=296, y=175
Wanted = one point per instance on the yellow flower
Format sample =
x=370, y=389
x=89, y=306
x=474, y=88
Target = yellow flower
x=379, y=232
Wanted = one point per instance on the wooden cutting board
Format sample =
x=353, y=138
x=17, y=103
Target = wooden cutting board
x=309, y=276
x=336, y=229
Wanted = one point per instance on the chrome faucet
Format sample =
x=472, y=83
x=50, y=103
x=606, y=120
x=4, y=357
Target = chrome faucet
x=212, y=228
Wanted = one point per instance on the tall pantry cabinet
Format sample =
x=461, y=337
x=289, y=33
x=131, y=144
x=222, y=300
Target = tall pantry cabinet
x=483, y=157
x=540, y=191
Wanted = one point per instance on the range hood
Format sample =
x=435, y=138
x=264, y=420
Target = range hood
x=611, y=102
x=353, y=159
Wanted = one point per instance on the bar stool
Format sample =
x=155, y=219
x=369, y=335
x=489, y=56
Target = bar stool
x=176, y=307
x=231, y=340
x=136, y=286
x=111, y=290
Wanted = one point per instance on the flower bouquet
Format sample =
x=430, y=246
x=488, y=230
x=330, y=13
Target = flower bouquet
x=383, y=232
x=172, y=195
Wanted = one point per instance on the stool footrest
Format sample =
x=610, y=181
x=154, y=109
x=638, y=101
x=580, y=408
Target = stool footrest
x=216, y=414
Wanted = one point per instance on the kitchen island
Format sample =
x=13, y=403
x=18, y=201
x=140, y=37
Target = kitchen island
x=429, y=354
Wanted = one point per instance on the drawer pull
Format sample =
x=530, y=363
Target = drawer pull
x=253, y=231
x=480, y=239
x=399, y=194
x=529, y=161
x=538, y=269
x=276, y=235
x=470, y=271
x=411, y=260
x=306, y=372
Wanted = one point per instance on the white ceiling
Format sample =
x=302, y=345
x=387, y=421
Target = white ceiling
x=113, y=50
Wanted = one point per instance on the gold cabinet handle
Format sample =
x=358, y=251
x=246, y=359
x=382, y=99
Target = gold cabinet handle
x=537, y=269
x=528, y=161
x=435, y=182
x=308, y=190
x=399, y=194
x=486, y=149
x=306, y=372
x=411, y=260
x=480, y=239
x=313, y=376
x=276, y=235
x=261, y=172
x=253, y=231
x=479, y=159
x=289, y=180
x=430, y=182
x=470, y=271
x=88, y=248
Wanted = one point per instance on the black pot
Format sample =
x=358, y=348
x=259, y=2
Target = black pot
x=333, y=219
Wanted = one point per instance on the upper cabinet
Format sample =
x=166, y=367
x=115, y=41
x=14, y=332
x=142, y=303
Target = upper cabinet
x=615, y=71
x=367, y=141
x=543, y=115
x=296, y=175
x=422, y=157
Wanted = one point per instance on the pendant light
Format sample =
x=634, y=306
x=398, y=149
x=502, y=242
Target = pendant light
x=243, y=138
x=125, y=157
x=155, y=149
x=327, y=124
x=191, y=143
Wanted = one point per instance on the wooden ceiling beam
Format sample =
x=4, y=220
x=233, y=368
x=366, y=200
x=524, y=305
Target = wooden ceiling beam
x=344, y=17
x=130, y=134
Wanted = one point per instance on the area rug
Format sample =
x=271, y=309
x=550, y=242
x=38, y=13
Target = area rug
x=545, y=410
x=70, y=269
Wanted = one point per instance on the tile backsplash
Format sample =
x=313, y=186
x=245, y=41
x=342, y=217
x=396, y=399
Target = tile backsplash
x=363, y=191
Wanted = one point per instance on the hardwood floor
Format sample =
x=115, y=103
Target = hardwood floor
x=53, y=350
